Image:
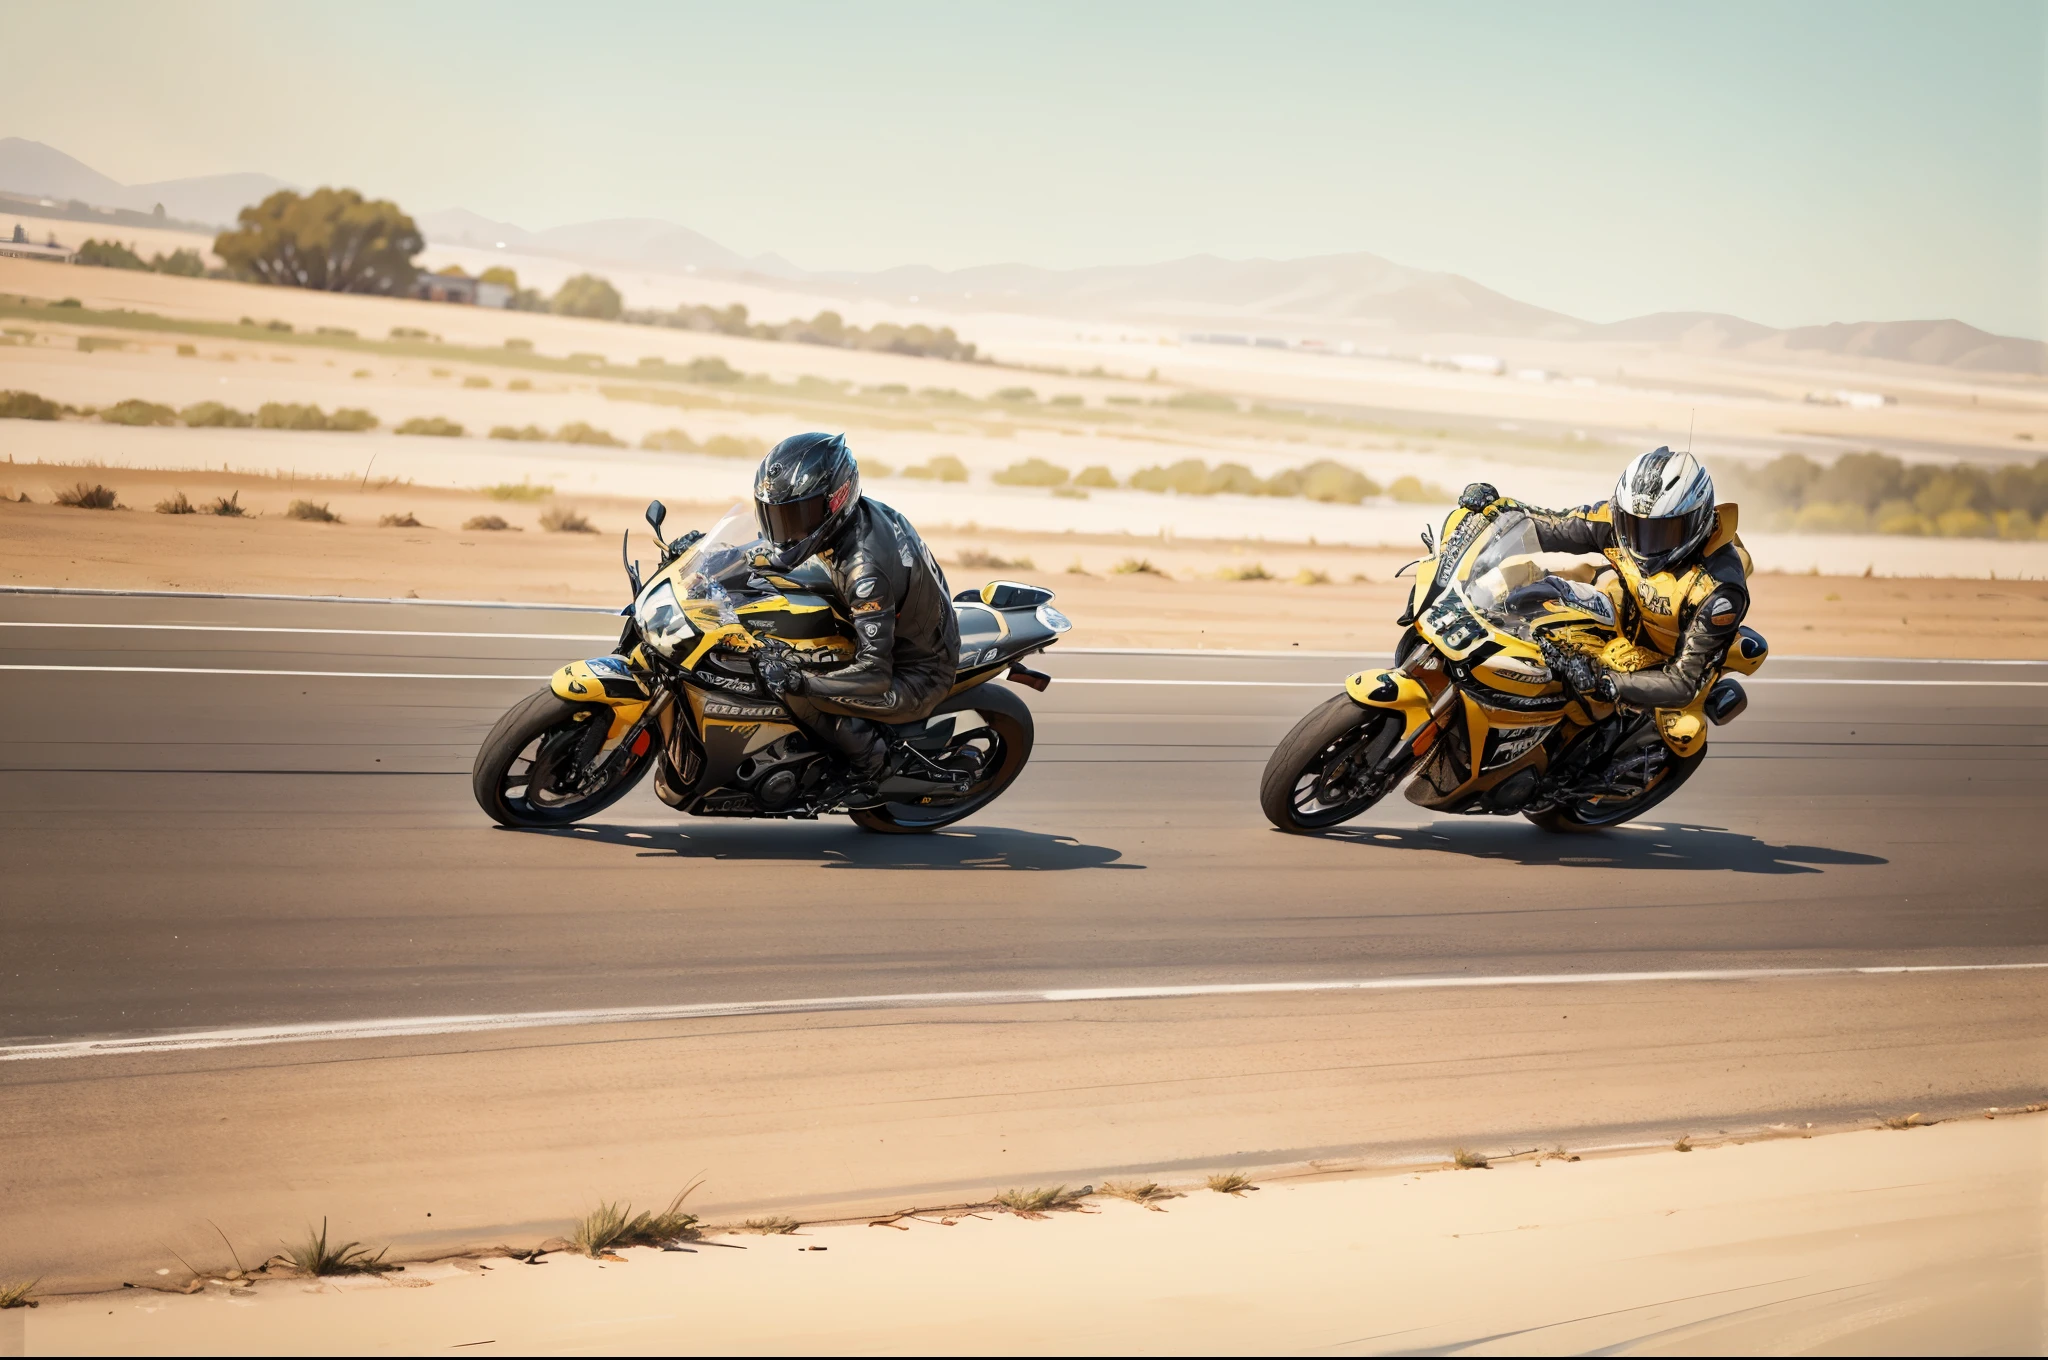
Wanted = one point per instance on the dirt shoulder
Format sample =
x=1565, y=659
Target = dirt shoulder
x=1185, y=605
x=1905, y=1243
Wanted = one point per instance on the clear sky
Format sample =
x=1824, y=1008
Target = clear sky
x=1788, y=162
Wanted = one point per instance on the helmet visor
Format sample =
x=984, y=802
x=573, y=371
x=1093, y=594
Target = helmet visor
x=1653, y=538
x=790, y=522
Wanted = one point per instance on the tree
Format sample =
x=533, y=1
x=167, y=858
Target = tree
x=451, y=271
x=589, y=295
x=498, y=273
x=108, y=255
x=334, y=240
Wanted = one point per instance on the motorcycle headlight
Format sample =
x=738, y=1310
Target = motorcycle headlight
x=661, y=619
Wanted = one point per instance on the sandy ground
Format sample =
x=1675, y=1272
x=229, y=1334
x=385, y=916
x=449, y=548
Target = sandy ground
x=1916, y=1242
x=44, y=544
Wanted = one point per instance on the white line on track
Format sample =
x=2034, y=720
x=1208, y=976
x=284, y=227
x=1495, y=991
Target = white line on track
x=481, y=1024
x=1331, y=685
x=607, y=638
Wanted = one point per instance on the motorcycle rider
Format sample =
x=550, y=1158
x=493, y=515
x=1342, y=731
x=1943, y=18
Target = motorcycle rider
x=1685, y=576
x=808, y=501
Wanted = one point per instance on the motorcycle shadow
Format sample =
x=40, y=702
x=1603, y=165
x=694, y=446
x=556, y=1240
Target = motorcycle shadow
x=1661, y=845
x=830, y=846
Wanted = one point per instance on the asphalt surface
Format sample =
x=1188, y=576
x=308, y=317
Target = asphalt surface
x=193, y=850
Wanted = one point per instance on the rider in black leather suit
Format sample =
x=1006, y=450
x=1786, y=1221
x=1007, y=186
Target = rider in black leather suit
x=906, y=635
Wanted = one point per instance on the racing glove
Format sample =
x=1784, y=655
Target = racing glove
x=776, y=670
x=1580, y=673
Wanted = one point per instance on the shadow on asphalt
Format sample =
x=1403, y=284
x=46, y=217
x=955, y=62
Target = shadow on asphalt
x=840, y=846
x=1664, y=845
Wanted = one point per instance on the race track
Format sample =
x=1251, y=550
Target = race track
x=240, y=814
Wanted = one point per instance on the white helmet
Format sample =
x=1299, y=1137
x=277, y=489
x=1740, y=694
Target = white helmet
x=1663, y=508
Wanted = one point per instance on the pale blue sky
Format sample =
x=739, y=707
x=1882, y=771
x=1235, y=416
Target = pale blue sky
x=1787, y=162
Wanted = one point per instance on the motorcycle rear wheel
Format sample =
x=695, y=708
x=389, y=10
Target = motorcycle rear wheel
x=1010, y=732
x=1589, y=815
x=532, y=751
x=1323, y=756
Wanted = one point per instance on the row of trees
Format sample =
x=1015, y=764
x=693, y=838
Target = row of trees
x=1876, y=493
x=113, y=255
x=826, y=328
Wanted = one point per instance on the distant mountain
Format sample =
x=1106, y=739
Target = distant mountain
x=34, y=169
x=1350, y=287
x=1353, y=288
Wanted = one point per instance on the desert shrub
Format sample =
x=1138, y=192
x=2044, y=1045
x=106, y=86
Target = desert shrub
x=983, y=559
x=94, y=497
x=229, y=507
x=1233, y=479
x=582, y=432
x=711, y=369
x=1323, y=481
x=338, y=332
x=476, y=380
x=176, y=505
x=668, y=441
x=351, y=420
x=404, y=521
x=735, y=446
x=1096, y=476
x=1200, y=401
x=1412, y=490
x=1136, y=566
x=311, y=513
x=519, y=385
x=1243, y=571
x=524, y=433
x=188, y=351
x=214, y=415
x=412, y=333
x=490, y=523
x=1016, y=394
x=518, y=346
x=137, y=412
x=943, y=468
x=434, y=427
x=1309, y=576
x=92, y=344
x=588, y=295
x=1189, y=477
x=875, y=467
x=1065, y=399
x=108, y=255
x=561, y=519
x=290, y=415
x=1032, y=472
x=524, y=492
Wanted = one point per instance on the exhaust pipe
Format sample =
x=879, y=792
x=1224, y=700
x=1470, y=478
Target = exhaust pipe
x=1021, y=674
x=1725, y=701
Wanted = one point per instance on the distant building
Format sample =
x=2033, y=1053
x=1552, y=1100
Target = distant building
x=21, y=248
x=461, y=288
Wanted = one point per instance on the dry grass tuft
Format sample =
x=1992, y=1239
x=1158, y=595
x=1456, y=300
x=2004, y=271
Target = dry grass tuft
x=434, y=427
x=405, y=521
x=1465, y=1159
x=490, y=523
x=1905, y=1121
x=94, y=497
x=518, y=491
x=229, y=506
x=1038, y=1202
x=1309, y=576
x=1146, y=1193
x=771, y=1227
x=311, y=513
x=561, y=519
x=1684, y=1143
x=176, y=505
x=1074, y=568
x=1136, y=566
x=612, y=1225
x=16, y=1294
x=316, y=1256
x=1230, y=1183
x=986, y=560
x=1247, y=571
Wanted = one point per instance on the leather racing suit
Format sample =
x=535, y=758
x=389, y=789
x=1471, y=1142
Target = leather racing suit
x=1680, y=621
x=906, y=638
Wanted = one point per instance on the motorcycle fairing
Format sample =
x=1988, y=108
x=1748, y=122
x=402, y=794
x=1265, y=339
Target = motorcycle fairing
x=606, y=680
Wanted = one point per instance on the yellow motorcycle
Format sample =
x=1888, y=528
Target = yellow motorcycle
x=1473, y=713
x=679, y=697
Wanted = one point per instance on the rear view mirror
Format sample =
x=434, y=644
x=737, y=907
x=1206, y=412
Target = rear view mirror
x=1428, y=535
x=656, y=513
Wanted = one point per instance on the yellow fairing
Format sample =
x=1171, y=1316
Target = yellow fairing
x=579, y=684
x=1747, y=653
x=1390, y=689
x=1684, y=729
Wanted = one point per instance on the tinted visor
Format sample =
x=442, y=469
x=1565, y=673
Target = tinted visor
x=1652, y=538
x=791, y=521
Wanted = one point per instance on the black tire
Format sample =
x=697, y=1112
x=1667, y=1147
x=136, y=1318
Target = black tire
x=543, y=730
x=1010, y=735
x=1586, y=815
x=1333, y=743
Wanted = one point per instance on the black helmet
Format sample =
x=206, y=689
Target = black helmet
x=804, y=494
x=1663, y=508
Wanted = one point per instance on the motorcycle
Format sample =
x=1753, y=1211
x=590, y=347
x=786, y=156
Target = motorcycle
x=679, y=697
x=1471, y=709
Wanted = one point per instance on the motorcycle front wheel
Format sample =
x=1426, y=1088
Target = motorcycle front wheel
x=1321, y=773
x=529, y=770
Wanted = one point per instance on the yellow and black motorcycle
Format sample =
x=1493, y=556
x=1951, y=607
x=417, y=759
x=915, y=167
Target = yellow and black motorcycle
x=679, y=696
x=1473, y=712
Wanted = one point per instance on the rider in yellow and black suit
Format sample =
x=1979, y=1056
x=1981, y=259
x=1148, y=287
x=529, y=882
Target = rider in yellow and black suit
x=1684, y=578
